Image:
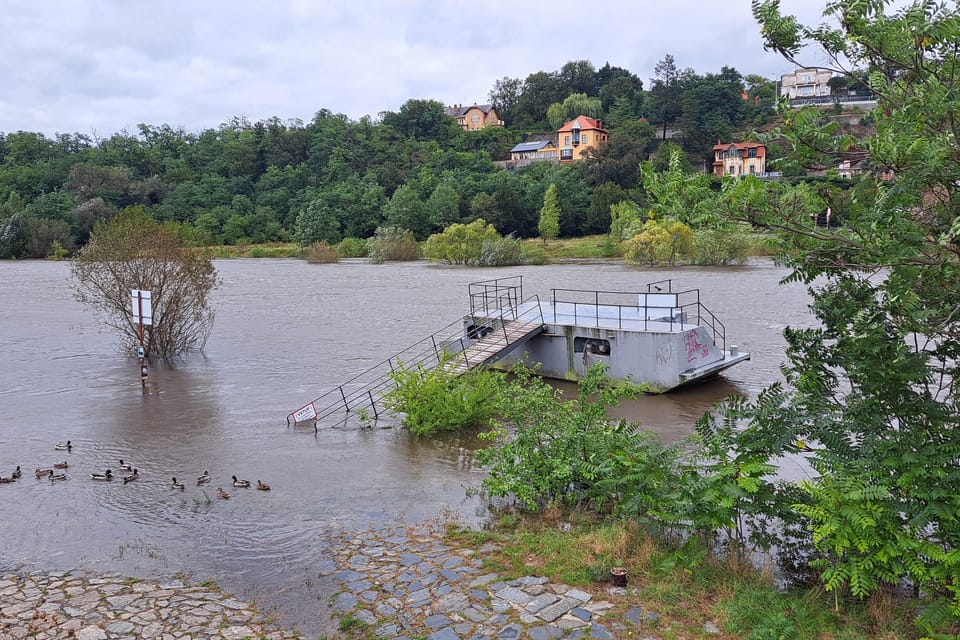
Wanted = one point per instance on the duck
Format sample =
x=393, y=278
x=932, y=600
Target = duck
x=242, y=484
x=222, y=494
x=56, y=476
x=133, y=476
x=60, y=465
x=204, y=479
x=42, y=473
x=102, y=476
x=4, y=480
x=16, y=473
x=262, y=487
x=64, y=446
x=176, y=485
x=125, y=466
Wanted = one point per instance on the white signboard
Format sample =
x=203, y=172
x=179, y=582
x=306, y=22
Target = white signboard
x=141, y=306
x=303, y=414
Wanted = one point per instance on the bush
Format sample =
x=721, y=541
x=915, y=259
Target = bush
x=392, y=244
x=730, y=245
x=460, y=243
x=352, y=248
x=321, y=252
x=658, y=243
x=501, y=252
x=434, y=400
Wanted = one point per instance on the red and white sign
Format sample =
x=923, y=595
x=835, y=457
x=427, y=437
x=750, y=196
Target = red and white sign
x=308, y=412
x=142, y=308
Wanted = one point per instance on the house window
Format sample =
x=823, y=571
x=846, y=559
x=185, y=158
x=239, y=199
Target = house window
x=566, y=139
x=586, y=138
x=752, y=170
x=474, y=118
x=730, y=170
x=805, y=77
x=566, y=154
x=752, y=153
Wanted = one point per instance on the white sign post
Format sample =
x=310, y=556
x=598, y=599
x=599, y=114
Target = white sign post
x=143, y=314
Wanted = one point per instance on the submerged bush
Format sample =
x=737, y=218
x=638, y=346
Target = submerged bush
x=392, y=244
x=321, y=252
x=729, y=245
x=501, y=252
x=434, y=399
x=352, y=248
x=659, y=243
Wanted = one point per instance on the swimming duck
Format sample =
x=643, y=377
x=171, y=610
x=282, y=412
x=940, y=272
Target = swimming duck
x=176, y=485
x=130, y=478
x=102, y=476
x=204, y=479
x=61, y=446
x=262, y=487
x=222, y=494
x=242, y=484
x=7, y=480
x=42, y=473
x=56, y=476
x=125, y=466
x=17, y=473
x=60, y=465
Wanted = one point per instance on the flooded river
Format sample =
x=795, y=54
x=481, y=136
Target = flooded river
x=285, y=332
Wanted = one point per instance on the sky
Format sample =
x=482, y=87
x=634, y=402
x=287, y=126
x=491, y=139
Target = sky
x=98, y=67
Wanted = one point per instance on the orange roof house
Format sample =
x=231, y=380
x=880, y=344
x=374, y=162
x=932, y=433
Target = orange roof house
x=739, y=158
x=578, y=136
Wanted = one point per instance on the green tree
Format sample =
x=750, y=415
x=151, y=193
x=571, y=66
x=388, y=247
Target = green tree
x=549, y=225
x=460, y=243
x=666, y=91
x=406, y=210
x=576, y=104
x=871, y=399
x=131, y=251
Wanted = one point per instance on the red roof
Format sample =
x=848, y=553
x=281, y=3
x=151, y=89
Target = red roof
x=738, y=145
x=584, y=122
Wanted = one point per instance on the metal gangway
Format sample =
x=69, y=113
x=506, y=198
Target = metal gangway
x=499, y=322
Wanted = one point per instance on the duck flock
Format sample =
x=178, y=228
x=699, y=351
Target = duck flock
x=129, y=473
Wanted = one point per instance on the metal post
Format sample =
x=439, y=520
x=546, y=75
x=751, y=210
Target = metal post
x=463, y=350
x=344, y=396
x=373, y=405
x=596, y=308
x=143, y=366
x=436, y=351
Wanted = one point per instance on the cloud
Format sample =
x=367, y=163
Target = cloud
x=104, y=66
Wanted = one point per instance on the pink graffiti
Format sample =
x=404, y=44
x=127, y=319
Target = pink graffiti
x=694, y=348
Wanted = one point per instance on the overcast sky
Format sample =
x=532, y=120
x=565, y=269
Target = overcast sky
x=101, y=66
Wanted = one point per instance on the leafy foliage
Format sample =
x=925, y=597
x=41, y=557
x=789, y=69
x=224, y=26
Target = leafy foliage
x=460, y=243
x=392, y=244
x=658, y=243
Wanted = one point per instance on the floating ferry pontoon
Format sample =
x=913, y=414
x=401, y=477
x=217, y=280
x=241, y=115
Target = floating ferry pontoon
x=659, y=338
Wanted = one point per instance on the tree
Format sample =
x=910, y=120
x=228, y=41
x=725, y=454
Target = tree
x=505, y=96
x=549, y=225
x=576, y=104
x=871, y=396
x=665, y=93
x=460, y=243
x=132, y=251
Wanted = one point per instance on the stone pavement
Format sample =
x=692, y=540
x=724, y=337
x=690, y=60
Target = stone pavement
x=407, y=583
x=60, y=605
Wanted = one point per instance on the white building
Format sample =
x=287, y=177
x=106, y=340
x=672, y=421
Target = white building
x=806, y=82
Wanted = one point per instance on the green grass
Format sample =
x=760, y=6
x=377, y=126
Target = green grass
x=685, y=585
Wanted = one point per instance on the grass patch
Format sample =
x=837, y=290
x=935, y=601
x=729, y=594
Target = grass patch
x=687, y=586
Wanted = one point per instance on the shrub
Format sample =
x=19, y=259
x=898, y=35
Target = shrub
x=501, y=252
x=434, y=400
x=352, y=248
x=460, y=243
x=729, y=245
x=321, y=252
x=658, y=243
x=392, y=243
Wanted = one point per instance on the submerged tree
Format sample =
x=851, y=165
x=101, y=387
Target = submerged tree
x=132, y=251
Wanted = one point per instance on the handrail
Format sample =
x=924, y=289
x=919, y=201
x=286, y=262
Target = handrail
x=366, y=389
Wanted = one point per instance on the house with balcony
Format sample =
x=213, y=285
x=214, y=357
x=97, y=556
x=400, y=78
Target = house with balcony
x=578, y=136
x=474, y=117
x=805, y=83
x=739, y=158
x=533, y=151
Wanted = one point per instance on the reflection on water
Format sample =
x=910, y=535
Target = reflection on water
x=285, y=332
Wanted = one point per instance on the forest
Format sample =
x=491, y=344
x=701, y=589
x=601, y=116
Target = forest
x=334, y=178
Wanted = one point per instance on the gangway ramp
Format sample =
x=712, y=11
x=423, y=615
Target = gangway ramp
x=471, y=341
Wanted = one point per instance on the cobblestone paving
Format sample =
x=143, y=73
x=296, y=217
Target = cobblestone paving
x=407, y=583
x=60, y=605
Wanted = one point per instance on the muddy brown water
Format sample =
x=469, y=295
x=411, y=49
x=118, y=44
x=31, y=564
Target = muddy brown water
x=285, y=332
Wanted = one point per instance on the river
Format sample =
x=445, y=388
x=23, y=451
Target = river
x=285, y=332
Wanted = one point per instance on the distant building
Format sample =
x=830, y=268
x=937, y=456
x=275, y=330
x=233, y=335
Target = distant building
x=739, y=158
x=533, y=151
x=474, y=117
x=806, y=82
x=578, y=136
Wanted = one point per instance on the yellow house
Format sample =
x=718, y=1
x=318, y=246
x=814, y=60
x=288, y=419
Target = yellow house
x=474, y=117
x=739, y=158
x=579, y=136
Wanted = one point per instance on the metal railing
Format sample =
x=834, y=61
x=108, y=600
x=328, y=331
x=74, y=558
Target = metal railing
x=363, y=394
x=628, y=310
